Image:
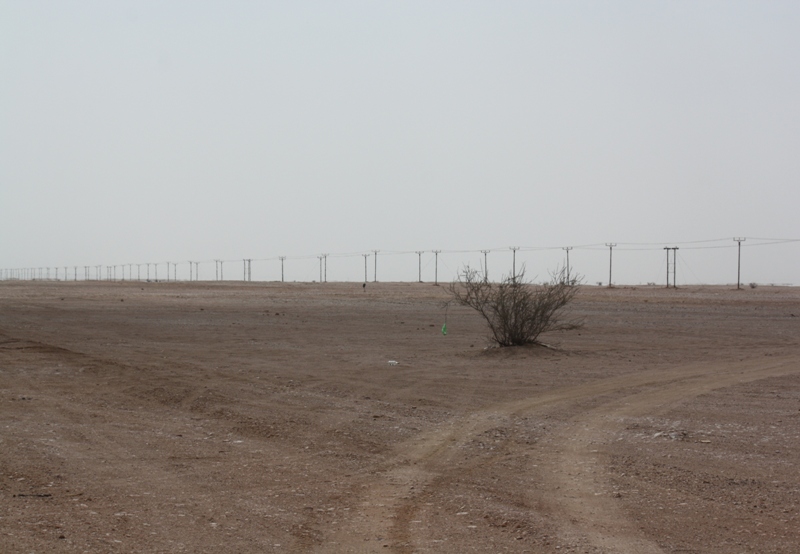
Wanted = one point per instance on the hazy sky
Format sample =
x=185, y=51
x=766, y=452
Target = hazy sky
x=171, y=131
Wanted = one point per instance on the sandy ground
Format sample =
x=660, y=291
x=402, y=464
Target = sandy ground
x=244, y=417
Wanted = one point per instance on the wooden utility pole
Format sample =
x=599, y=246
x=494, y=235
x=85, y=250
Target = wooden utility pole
x=674, y=265
x=611, y=246
x=739, y=264
x=514, y=263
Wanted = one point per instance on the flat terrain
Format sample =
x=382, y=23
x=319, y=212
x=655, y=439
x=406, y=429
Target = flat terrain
x=245, y=417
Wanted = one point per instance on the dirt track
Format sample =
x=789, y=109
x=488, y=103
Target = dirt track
x=224, y=417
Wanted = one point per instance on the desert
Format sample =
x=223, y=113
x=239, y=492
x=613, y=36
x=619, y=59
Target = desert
x=267, y=417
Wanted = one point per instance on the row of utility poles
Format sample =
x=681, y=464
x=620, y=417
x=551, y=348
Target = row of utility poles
x=194, y=268
x=42, y=273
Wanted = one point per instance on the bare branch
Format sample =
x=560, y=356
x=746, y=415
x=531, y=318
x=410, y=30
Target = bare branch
x=516, y=311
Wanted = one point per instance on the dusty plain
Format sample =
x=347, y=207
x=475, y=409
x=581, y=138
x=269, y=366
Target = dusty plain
x=265, y=417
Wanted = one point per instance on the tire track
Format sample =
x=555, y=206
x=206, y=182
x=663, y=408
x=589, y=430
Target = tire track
x=572, y=461
x=578, y=468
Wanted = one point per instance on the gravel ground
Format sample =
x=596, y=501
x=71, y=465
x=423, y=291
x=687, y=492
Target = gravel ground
x=244, y=417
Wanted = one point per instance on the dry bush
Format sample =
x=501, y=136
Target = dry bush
x=516, y=311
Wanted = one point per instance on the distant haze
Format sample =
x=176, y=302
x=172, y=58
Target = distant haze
x=144, y=132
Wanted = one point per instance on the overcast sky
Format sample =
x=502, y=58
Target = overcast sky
x=139, y=131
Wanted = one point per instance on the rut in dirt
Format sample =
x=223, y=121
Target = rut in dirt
x=573, y=461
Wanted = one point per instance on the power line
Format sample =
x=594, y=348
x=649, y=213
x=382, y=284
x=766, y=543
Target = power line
x=111, y=270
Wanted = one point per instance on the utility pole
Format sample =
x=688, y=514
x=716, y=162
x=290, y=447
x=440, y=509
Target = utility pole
x=611, y=246
x=674, y=265
x=419, y=255
x=282, y=258
x=740, y=240
x=365, y=266
x=375, y=274
x=156, y=270
x=436, y=265
x=485, y=266
x=514, y=263
x=320, y=268
x=325, y=261
x=567, y=249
